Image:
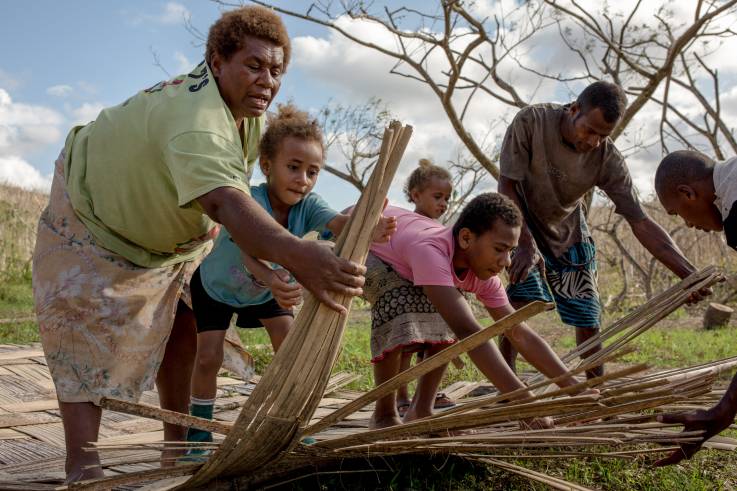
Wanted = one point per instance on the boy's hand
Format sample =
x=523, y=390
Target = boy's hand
x=385, y=229
x=525, y=258
x=699, y=295
x=286, y=294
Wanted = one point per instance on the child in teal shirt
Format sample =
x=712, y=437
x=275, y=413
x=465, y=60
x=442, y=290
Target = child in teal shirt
x=226, y=283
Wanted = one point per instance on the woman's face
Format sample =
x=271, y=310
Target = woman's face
x=293, y=172
x=250, y=79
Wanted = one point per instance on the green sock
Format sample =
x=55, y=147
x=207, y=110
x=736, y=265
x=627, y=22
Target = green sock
x=202, y=409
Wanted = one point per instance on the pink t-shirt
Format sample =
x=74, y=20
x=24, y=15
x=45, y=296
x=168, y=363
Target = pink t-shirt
x=421, y=250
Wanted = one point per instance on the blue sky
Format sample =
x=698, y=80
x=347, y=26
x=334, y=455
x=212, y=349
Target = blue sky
x=62, y=61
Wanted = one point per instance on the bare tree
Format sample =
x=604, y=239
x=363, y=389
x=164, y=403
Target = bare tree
x=462, y=54
x=637, y=272
x=467, y=177
x=641, y=56
x=355, y=132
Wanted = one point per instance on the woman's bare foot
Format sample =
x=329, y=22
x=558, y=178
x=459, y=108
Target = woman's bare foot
x=84, y=474
x=384, y=421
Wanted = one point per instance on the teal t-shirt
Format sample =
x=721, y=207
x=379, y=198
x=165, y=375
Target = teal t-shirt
x=225, y=277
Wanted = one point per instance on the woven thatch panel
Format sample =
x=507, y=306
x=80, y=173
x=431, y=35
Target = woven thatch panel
x=23, y=451
x=33, y=372
x=30, y=406
x=15, y=354
x=22, y=419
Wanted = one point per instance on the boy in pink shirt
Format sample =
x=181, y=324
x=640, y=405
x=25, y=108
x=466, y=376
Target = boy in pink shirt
x=436, y=263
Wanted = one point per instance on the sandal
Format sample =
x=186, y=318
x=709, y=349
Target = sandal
x=442, y=401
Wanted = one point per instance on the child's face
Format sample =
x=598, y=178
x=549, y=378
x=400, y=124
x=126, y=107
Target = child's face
x=432, y=201
x=293, y=172
x=489, y=253
x=696, y=209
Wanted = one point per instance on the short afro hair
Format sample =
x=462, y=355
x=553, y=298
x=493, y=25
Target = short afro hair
x=422, y=175
x=226, y=34
x=289, y=121
x=481, y=212
x=682, y=167
x=608, y=97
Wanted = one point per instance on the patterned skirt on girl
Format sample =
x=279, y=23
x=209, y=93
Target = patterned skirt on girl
x=402, y=317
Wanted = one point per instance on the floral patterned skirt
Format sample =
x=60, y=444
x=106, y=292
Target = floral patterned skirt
x=104, y=321
x=402, y=317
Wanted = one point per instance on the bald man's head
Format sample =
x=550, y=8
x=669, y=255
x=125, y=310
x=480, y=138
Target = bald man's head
x=684, y=183
x=682, y=167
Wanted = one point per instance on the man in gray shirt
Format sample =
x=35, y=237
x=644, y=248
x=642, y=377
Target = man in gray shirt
x=552, y=155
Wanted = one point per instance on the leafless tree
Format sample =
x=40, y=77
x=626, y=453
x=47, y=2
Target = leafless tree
x=469, y=54
x=355, y=133
x=462, y=54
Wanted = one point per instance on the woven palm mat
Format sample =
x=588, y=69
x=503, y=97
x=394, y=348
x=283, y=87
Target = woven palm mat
x=32, y=438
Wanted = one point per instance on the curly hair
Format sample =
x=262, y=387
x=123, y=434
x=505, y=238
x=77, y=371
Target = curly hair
x=226, y=34
x=422, y=175
x=289, y=121
x=608, y=97
x=481, y=212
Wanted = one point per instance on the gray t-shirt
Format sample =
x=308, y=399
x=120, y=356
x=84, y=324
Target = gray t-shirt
x=553, y=178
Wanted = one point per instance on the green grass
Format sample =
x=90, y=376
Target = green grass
x=676, y=342
x=709, y=470
x=16, y=302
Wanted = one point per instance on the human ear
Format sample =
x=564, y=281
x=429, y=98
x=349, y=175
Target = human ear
x=264, y=164
x=465, y=237
x=686, y=192
x=215, y=64
x=414, y=196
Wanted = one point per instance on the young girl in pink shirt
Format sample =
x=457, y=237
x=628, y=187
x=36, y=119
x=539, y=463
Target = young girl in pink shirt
x=436, y=263
x=429, y=188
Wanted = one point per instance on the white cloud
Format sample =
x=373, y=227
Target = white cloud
x=87, y=87
x=86, y=112
x=59, y=90
x=353, y=73
x=17, y=172
x=183, y=63
x=173, y=13
x=25, y=127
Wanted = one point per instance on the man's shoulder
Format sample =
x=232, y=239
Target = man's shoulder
x=540, y=112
